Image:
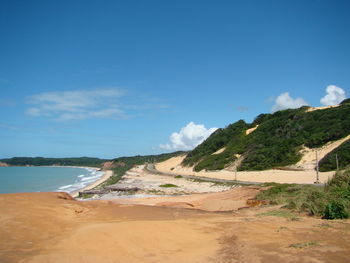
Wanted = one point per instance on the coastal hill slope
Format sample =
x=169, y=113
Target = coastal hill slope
x=277, y=140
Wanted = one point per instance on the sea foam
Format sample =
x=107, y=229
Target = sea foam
x=82, y=180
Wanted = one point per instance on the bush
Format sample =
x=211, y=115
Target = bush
x=331, y=202
x=314, y=203
x=335, y=209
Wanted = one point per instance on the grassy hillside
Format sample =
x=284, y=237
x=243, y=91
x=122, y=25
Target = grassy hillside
x=277, y=140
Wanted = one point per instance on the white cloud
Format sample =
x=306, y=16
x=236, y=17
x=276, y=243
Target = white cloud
x=334, y=96
x=75, y=105
x=105, y=113
x=285, y=101
x=188, y=138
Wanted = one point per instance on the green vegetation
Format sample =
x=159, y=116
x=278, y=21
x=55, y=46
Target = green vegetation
x=305, y=244
x=345, y=101
x=126, y=163
x=292, y=194
x=178, y=176
x=275, y=143
x=328, y=163
x=336, y=209
x=330, y=202
x=168, y=185
x=201, y=180
x=40, y=161
x=280, y=213
x=202, y=154
x=85, y=196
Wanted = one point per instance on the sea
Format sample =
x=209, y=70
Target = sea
x=46, y=179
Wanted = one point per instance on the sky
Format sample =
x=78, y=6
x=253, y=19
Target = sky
x=121, y=78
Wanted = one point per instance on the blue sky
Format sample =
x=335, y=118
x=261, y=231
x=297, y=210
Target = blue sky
x=120, y=78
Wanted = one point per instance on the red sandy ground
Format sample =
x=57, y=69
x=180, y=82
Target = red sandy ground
x=53, y=227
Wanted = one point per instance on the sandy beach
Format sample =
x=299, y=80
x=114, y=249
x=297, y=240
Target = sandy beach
x=107, y=174
x=104, y=177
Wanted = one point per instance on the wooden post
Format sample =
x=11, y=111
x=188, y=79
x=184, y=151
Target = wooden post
x=317, y=176
x=336, y=160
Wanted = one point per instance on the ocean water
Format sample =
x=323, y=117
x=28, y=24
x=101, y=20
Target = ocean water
x=46, y=179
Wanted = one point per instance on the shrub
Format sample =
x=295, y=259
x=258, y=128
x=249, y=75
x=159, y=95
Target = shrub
x=335, y=209
x=331, y=202
x=315, y=203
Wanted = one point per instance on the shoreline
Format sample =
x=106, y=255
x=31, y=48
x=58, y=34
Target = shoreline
x=103, y=178
x=107, y=174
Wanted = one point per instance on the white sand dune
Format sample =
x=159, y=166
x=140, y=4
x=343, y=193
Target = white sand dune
x=219, y=151
x=308, y=161
x=249, y=131
x=321, y=108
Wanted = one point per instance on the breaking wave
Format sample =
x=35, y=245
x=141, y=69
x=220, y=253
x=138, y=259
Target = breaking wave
x=91, y=175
